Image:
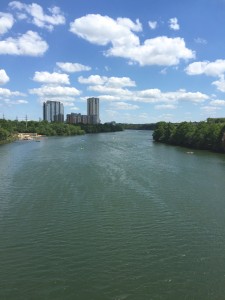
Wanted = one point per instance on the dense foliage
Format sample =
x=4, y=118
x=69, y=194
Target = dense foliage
x=149, y=126
x=203, y=135
x=107, y=127
x=9, y=129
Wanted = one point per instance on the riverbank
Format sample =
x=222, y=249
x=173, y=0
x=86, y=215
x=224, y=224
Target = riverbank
x=202, y=135
x=29, y=136
x=11, y=130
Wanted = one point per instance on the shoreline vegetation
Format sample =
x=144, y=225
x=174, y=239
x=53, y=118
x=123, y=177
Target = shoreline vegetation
x=25, y=130
x=205, y=135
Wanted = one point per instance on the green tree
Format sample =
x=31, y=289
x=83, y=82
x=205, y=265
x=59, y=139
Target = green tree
x=4, y=134
x=159, y=132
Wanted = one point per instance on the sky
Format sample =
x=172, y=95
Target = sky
x=147, y=60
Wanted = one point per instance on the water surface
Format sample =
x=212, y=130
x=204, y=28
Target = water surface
x=111, y=216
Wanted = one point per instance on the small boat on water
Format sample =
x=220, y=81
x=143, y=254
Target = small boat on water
x=190, y=152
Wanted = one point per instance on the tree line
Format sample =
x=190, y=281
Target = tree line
x=10, y=129
x=148, y=126
x=209, y=135
x=98, y=128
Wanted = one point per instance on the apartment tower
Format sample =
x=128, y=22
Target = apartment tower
x=93, y=110
x=53, y=111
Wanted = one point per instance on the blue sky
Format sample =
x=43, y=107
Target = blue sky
x=146, y=60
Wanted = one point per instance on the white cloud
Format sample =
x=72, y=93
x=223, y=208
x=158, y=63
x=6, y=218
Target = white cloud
x=10, y=102
x=165, y=106
x=37, y=15
x=4, y=78
x=120, y=92
x=72, y=67
x=200, y=41
x=124, y=106
x=51, y=78
x=163, y=71
x=6, y=22
x=210, y=110
x=161, y=51
x=156, y=96
x=110, y=98
x=114, y=82
x=220, y=84
x=103, y=30
x=74, y=108
x=165, y=117
x=217, y=102
x=7, y=93
x=22, y=101
x=93, y=79
x=173, y=24
x=130, y=24
x=55, y=91
x=152, y=24
x=215, y=68
x=120, y=82
x=114, y=89
x=30, y=44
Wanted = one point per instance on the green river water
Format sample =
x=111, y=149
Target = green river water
x=111, y=217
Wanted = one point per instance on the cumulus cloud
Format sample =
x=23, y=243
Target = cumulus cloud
x=119, y=33
x=156, y=96
x=51, y=78
x=10, y=102
x=173, y=24
x=72, y=67
x=220, y=84
x=120, y=82
x=107, y=81
x=120, y=92
x=161, y=51
x=93, y=79
x=8, y=93
x=115, y=89
x=102, y=30
x=124, y=106
x=111, y=86
x=55, y=91
x=217, y=102
x=4, y=78
x=210, y=110
x=165, y=106
x=22, y=101
x=35, y=14
x=30, y=44
x=215, y=68
x=6, y=22
x=152, y=24
x=74, y=108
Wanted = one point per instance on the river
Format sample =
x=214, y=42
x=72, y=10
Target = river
x=111, y=217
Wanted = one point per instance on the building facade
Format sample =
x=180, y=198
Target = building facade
x=53, y=111
x=93, y=110
x=74, y=118
x=92, y=116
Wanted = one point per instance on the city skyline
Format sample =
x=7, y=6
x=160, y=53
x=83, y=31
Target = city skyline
x=147, y=60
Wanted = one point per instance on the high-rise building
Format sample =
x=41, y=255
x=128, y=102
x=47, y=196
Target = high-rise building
x=93, y=110
x=53, y=111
